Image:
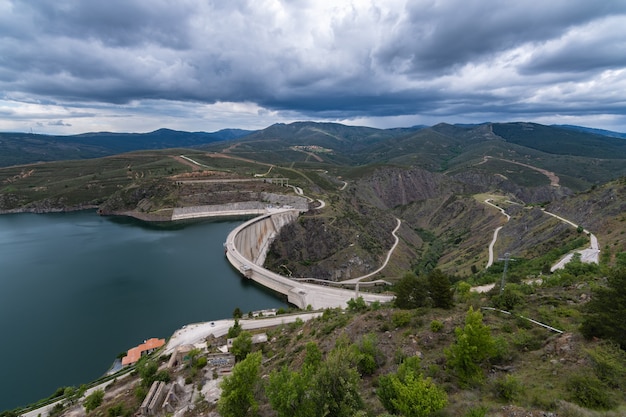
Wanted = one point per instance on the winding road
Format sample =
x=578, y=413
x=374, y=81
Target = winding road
x=495, y=233
x=589, y=255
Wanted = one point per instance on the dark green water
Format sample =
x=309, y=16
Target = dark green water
x=76, y=289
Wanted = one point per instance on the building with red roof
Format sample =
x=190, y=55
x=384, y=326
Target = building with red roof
x=147, y=347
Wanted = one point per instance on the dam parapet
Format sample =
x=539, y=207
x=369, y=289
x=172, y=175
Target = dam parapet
x=270, y=202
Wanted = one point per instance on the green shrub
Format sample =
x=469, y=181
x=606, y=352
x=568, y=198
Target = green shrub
x=235, y=330
x=436, y=326
x=119, y=410
x=463, y=290
x=480, y=411
x=511, y=297
x=141, y=392
x=399, y=356
x=357, y=305
x=524, y=340
x=401, y=318
x=609, y=364
x=507, y=388
x=242, y=345
x=588, y=391
x=408, y=393
x=162, y=375
x=201, y=362
x=93, y=400
x=368, y=356
x=57, y=409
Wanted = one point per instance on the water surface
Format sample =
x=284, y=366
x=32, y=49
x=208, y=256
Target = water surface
x=76, y=289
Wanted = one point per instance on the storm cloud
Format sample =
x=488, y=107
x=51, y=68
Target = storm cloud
x=137, y=65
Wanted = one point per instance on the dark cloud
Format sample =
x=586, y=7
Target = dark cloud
x=441, y=36
x=116, y=23
x=337, y=60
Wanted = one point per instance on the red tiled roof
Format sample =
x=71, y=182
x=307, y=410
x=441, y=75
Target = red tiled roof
x=134, y=354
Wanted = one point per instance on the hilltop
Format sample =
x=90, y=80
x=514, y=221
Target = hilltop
x=27, y=148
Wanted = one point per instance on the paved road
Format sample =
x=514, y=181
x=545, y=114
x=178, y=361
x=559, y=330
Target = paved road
x=495, y=233
x=198, y=332
x=397, y=240
x=589, y=255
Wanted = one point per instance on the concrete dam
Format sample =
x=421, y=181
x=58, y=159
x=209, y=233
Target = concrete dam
x=246, y=248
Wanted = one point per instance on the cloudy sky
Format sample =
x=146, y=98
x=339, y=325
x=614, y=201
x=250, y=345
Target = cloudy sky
x=73, y=66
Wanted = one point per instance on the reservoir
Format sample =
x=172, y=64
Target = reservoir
x=77, y=289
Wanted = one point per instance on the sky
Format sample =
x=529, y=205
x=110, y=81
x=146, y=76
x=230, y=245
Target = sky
x=75, y=66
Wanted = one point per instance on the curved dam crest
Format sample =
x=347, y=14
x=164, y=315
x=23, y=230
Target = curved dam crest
x=246, y=248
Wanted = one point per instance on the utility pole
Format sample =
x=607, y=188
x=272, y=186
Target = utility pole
x=507, y=256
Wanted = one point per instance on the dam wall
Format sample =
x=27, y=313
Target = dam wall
x=218, y=210
x=246, y=247
x=269, y=202
x=254, y=240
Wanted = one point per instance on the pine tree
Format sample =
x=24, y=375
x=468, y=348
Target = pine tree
x=474, y=345
x=606, y=312
x=411, y=292
x=238, y=389
x=440, y=289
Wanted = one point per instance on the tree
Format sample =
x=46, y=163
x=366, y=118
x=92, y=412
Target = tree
x=408, y=393
x=148, y=370
x=510, y=297
x=235, y=330
x=320, y=388
x=238, y=389
x=93, y=400
x=313, y=357
x=441, y=291
x=605, y=314
x=289, y=392
x=242, y=345
x=357, y=304
x=237, y=313
x=337, y=385
x=411, y=292
x=368, y=356
x=472, y=347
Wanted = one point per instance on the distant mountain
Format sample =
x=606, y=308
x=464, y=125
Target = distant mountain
x=338, y=144
x=561, y=141
x=579, y=159
x=602, y=132
x=24, y=148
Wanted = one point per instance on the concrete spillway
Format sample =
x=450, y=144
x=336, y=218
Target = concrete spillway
x=246, y=247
